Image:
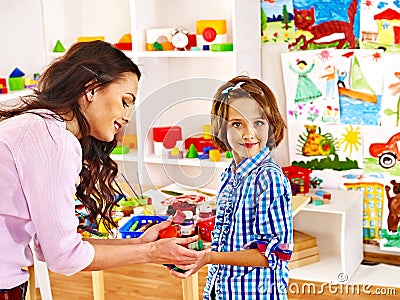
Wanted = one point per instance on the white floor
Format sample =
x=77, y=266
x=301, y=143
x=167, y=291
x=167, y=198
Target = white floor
x=378, y=275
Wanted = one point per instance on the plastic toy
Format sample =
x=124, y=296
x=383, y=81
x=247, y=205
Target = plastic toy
x=175, y=153
x=215, y=155
x=179, y=38
x=166, y=138
x=159, y=39
x=211, y=32
x=299, y=179
x=192, y=152
x=90, y=38
x=59, y=47
x=228, y=154
x=125, y=42
x=3, y=86
x=119, y=149
x=198, y=142
x=207, y=132
x=15, y=80
x=222, y=47
x=130, y=140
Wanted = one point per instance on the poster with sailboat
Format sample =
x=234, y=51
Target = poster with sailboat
x=359, y=85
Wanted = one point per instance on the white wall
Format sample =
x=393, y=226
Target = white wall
x=21, y=41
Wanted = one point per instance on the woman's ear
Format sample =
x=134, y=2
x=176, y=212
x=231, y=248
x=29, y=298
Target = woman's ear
x=90, y=95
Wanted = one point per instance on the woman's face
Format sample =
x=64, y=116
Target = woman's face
x=247, y=128
x=109, y=109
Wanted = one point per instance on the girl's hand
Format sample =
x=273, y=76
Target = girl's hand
x=174, y=251
x=151, y=234
x=192, y=268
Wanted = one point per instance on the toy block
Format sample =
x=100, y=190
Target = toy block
x=207, y=149
x=228, y=154
x=16, y=83
x=167, y=135
x=16, y=73
x=198, y=142
x=204, y=156
x=130, y=140
x=159, y=39
x=59, y=47
x=90, y=38
x=222, y=47
x=317, y=202
x=125, y=42
x=119, y=149
x=207, y=132
x=175, y=153
x=3, y=86
x=211, y=32
x=215, y=155
x=192, y=152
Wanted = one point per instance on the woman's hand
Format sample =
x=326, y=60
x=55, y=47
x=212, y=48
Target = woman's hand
x=192, y=268
x=151, y=234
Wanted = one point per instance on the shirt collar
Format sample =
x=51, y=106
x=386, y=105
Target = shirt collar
x=250, y=163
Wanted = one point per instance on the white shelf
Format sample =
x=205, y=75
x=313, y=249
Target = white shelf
x=195, y=162
x=185, y=54
x=338, y=229
x=14, y=95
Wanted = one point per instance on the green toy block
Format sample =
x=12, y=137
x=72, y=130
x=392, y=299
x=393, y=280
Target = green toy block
x=228, y=154
x=59, y=47
x=192, y=152
x=16, y=83
x=222, y=47
x=318, y=202
x=120, y=150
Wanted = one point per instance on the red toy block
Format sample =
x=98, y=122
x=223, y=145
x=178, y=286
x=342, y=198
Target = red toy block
x=199, y=143
x=167, y=135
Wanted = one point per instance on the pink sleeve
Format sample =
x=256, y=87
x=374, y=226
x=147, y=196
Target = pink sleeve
x=48, y=164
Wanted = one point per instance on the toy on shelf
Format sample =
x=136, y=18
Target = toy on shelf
x=299, y=178
x=214, y=155
x=180, y=39
x=166, y=138
x=192, y=152
x=129, y=140
x=175, y=153
x=90, y=38
x=3, y=86
x=15, y=80
x=159, y=39
x=125, y=42
x=198, y=142
x=211, y=32
x=59, y=47
x=222, y=47
x=31, y=83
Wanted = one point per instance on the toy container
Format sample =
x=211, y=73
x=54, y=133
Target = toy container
x=126, y=231
x=206, y=226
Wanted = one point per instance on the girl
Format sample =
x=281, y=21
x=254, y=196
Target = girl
x=57, y=144
x=252, y=239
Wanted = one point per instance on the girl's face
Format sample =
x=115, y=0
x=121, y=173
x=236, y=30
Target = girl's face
x=247, y=128
x=108, y=110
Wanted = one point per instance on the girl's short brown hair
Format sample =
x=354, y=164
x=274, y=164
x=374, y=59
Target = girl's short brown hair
x=260, y=92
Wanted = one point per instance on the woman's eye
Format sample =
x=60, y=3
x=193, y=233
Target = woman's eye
x=124, y=104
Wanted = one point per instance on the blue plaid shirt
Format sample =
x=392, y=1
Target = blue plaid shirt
x=254, y=209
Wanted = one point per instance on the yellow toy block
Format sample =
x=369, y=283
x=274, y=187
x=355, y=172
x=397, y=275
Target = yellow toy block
x=126, y=38
x=130, y=140
x=214, y=155
x=90, y=38
x=207, y=132
x=218, y=25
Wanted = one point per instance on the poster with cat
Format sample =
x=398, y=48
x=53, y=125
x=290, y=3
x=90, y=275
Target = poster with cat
x=277, y=25
x=323, y=24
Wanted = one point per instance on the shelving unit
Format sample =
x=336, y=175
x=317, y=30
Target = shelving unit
x=338, y=229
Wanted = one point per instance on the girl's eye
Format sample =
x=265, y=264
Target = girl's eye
x=124, y=104
x=236, y=124
x=259, y=123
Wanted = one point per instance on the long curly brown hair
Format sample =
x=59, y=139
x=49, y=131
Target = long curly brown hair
x=84, y=67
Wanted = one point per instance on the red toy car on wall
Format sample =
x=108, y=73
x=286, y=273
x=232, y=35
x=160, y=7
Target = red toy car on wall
x=387, y=153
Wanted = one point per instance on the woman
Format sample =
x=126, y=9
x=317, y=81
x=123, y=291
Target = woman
x=57, y=144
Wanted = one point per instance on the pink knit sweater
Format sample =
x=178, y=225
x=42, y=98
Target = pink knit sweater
x=40, y=163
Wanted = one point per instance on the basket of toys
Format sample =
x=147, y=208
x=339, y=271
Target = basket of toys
x=136, y=225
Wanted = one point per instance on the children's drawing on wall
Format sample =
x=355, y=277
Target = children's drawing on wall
x=391, y=90
x=372, y=185
x=322, y=24
x=310, y=84
x=391, y=218
x=360, y=93
x=277, y=24
x=381, y=150
x=380, y=25
x=334, y=147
